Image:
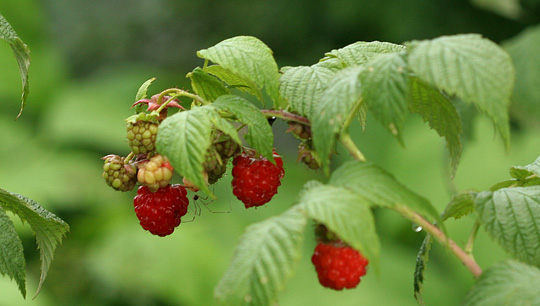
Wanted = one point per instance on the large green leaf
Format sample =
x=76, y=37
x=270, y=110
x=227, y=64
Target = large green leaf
x=360, y=52
x=344, y=213
x=263, y=260
x=337, y=103
x=385, y=90
x=438, y=111
x=235, y=81
x=249, y=58
x=470, y=67
x=12, y=261
x=22, y=55
x=259, y=135
x=184, y=138
x=512, y=217
x=48, y=228
x=380, y=188
x=303, y=85
x=206, y=85
x=525, y=52
x=507, y=283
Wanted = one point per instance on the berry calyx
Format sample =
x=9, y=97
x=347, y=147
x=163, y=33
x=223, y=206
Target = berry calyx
x=155, y=173
x=154, y=105
x=338, y=266
x=255, y=178
x=160, y=212
x=118, y=174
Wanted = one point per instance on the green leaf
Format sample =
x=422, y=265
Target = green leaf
x=438, y=111
x=141, y=93
x=249, y=58
x=421, y=264
x=12, y=261
x=524, y=172
x=222, y=124
x=263, y=260
x=525, y=52
x=235, y=81
x=470, y=67
x=385, y=90
x=460, y=205
x=303, y=85
x=346, y=214
x=505, y=184
x=48, y=228
x=184, y=138
x=512, y=217
x=259, y=136
x=360, y=52
x=206, y=85
x=22, y=55
x=505, y=284
x=336, y=104
x=380, y=188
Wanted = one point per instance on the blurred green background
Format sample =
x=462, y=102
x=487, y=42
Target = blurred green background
x=90, y=57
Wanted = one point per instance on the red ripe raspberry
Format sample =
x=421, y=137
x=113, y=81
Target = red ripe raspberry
x=338, y=267
x=256, y=179
x=160, y=212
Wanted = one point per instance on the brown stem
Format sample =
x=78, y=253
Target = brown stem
x=285, y=116
x=466, y=259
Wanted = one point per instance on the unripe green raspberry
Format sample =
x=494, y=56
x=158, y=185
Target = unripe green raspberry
x=225, y=146
x=141, y=136
x=119, y=175
x=214, y=165
x=307, y=156
x=155, y=173
x=299, y=130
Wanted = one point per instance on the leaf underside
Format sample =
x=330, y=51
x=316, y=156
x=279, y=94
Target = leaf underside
x=474, y=69
x=265, y=257
x=22, y=55
x=512, y=217
x=504, y=284
x=48, y=228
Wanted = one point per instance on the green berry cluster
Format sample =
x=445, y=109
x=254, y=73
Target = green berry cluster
x=143, y=164
x=118, y=174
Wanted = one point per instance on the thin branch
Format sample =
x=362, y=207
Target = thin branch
x=472, y=236
x=285, y=116
x=466, y=259
x=347, y=141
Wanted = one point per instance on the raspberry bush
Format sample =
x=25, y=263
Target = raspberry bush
x=319, y=103
x=223, y=123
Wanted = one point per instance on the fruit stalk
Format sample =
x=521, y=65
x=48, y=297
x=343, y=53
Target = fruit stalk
x=346, y=139
x=178, y=93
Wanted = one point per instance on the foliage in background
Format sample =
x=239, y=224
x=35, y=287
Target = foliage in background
x=48, y=228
